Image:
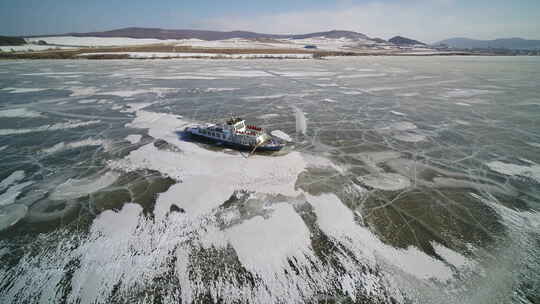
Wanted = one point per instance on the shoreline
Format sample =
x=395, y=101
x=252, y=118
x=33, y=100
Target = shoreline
x=186, y=52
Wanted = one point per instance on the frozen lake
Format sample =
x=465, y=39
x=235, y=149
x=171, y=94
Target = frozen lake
x=406, y=179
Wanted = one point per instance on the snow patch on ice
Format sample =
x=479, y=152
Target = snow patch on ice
x=71, y=124
x=20, y=112
x=533, y=144
x=74, y=188
x=452, y=257
x=465, y=93
x=267, y=116
x=409, y=137
x=264, y=245
x=385, y=181
x=398, y=113
x=12, y=178
x=23, y=90
x=82, y=91
x=77, y=144
x=338, y=222
x=12, y=193
x=134, y=138
x=532, y=171
x=11, y=214
x=362, y=75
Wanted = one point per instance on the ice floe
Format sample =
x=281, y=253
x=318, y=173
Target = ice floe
x=281, y=134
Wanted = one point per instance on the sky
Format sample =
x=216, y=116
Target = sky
x=424, y=20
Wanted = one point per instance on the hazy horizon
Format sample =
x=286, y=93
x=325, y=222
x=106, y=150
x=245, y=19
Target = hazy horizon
x=427, y=21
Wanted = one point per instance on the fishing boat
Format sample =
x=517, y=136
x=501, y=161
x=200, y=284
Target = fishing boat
x=235, y=133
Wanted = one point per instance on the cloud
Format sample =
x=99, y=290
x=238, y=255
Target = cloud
x=429, y=21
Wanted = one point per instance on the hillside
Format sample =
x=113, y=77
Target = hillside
x=157, y=33
x=504, y=43
x=7, y=40
x=399, y=40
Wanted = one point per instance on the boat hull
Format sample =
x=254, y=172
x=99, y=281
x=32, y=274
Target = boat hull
x=233, y=145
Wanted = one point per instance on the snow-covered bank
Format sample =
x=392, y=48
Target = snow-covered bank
x=97, y=41
x=31, y=47
x=199, y=55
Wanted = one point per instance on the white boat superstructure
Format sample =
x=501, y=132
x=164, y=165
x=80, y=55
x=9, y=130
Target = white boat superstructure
x=236, y=132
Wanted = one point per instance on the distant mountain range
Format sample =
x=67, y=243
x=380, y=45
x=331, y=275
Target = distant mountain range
x=505, y=43
x=157, y=33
